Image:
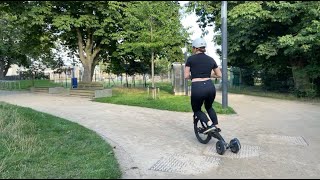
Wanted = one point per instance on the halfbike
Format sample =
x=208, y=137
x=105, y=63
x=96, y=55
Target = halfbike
x=221, y=145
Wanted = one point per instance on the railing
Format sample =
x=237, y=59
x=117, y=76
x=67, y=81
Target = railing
x=9, y=85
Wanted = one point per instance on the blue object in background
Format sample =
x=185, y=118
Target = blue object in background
x=74, y=83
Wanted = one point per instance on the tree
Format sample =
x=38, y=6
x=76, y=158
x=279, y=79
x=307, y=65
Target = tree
x=277, y=39
x=86, y=27
x=22, y=40
x=153, y=28
x=10, y=35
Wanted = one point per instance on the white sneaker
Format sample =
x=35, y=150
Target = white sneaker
x=209, y=128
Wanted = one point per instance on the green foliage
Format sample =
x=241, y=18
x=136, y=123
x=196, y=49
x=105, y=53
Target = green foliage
x=86, y=28
x=112, y=30
x=10, y=44
x=22, y=39
x=269, y=35
x=162, y=66
x=153, y=27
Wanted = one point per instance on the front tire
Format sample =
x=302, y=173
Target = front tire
x=235, y=145
x=221, y=149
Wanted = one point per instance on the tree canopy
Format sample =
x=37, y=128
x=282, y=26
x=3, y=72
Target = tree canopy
x=103, y=30
x=277, y=41
x=21, y=40
x=153, y=28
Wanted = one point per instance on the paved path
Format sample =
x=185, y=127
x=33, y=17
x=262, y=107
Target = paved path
x=279, y=138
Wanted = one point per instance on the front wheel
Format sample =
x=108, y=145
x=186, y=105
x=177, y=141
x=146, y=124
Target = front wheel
x=221, y=149
x=235, y=145
x=199, y=128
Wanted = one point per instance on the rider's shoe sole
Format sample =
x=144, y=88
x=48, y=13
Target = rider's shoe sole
x=212, y=129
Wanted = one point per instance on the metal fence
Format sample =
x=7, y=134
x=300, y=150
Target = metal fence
x=9, y=85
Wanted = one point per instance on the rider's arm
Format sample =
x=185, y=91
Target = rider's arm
x=216, y=73
x=187, y=72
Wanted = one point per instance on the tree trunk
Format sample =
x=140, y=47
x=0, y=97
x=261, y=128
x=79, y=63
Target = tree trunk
x=88, y=54
x=152, y=65
x=301, y=79
x=145, y=80
x=4, y=68
x=33, y=76
x=134, y=80
x=87, y=72
x=2, y=72
x=109, y=79
x=152, y=75
x=93, y=67
x=127, y=80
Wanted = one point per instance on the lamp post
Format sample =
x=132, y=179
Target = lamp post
x=65, y=74
x=73, y=69
x=95, y=75
x=73, y=79
x=224, y=55
x=184, y=50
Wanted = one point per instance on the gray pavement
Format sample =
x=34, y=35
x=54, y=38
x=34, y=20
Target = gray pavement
x=279, y=138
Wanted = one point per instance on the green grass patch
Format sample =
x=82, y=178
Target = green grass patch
x=257, y=91
x=37, y=145
x=166, y=101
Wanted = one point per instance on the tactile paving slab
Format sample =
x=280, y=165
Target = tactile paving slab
x=246, y=151
x=186, y=164
x=279, y=139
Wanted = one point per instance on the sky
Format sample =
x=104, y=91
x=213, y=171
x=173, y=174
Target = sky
x=191, y=21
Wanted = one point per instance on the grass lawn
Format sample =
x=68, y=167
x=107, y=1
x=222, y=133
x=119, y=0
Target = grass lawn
x=167, y=101
x=36, y=145
x=257, y=91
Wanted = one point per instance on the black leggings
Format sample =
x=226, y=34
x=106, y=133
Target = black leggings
x=203, y=92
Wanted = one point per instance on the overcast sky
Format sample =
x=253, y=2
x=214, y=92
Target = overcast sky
x=191, y=21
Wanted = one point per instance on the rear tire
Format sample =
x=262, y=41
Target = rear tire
x=199, y=127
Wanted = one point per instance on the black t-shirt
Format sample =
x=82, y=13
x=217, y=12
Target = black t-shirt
x=201, y=65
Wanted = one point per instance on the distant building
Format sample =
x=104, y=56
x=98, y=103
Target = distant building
x=13, y=70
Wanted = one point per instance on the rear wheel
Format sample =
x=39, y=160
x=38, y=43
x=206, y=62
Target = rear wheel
x=199, y=128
